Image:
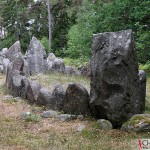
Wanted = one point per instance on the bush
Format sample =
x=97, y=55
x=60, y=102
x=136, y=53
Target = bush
x=44, y=42
x=100, y=16
x=145, y=67
x=75, y=62
x=33, y=118
x=6, y=42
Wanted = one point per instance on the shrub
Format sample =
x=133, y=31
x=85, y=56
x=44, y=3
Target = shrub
x=44, y=42
x=6, y=42
x=33, y=118
x=145, y=67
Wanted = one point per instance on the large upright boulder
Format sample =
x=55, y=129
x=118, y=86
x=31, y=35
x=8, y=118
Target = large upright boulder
x=16, y=64
x=114, y=77
x=142, y=90
x=13, y=50
x=36, y=57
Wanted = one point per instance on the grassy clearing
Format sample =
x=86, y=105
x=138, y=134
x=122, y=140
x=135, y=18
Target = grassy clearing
x=51, y=134
x=51, y=80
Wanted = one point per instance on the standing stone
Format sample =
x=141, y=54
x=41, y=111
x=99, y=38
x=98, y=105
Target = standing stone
x=142, y=90
x=32, y=92
x=14, y=82
x=16, y=88
x=16, y=65
x=1, y=69
x=26, y=70
x=36, y=57
x=24, y=85
x=44, y=97
x=58, y=65
x=114, y=77
x=76, y=100
x=57, y=99
x=13, y=50
x=8, y=74
x=18, y=62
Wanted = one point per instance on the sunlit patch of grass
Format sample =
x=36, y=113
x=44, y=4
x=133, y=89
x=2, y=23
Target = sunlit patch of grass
x=53, y=79
x=147, y=105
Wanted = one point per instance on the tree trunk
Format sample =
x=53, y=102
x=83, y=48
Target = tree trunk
x=49, y=25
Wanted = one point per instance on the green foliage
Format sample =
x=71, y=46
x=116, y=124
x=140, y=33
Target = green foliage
x=6, y=42
x=145, y=67
x=15, y=17
x=62, y=21
x=33, y=118
x=44, y=42
x=100, y=16
x=80, y=35
x=75, y=62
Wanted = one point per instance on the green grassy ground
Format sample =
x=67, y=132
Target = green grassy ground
x=51, y=134
x=51, y=80
x=148, y=96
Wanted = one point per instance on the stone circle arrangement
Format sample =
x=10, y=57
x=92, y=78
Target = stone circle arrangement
x=118, y=87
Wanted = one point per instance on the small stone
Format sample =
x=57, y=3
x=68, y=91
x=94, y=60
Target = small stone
x=51, y=57
x=66, y=117
x=37, y=109
x=137, y=123
x=7, y=98
x=49, y=114
x=104, y=124
x=25, y=115
x=81, y=128
x=17, y=99
x=58, y=65
x=80, y=117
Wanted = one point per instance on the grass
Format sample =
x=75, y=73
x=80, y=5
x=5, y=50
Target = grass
x=148, y=96
x=53, y=79
x=51, y=134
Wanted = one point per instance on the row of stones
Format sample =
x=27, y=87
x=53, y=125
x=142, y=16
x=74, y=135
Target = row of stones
x=36, y=61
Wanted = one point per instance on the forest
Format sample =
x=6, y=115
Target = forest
x=73, y=22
